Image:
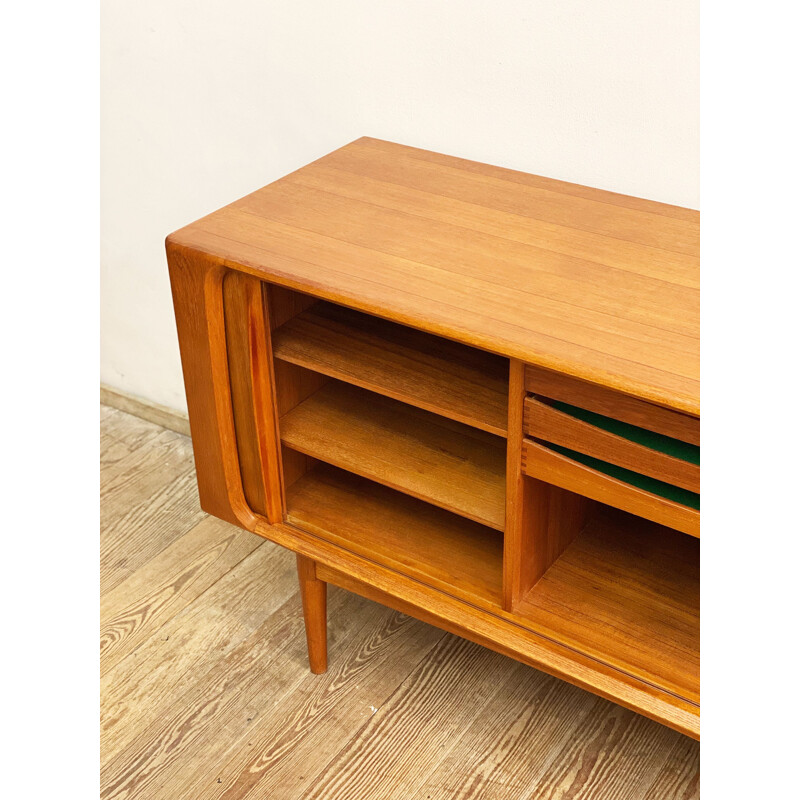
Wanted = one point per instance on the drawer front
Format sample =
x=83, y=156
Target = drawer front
x=626, y=446
x=560, y=469
x=612, y=448
x=602, y=400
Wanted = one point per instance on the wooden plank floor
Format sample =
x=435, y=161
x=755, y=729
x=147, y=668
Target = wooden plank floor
x=206, y=693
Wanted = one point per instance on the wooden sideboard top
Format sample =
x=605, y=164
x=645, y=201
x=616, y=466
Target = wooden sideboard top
x=597, y=285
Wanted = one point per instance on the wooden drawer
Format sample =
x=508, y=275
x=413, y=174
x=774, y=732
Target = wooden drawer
x=559, y=469
x=636, y=449
x=606, y=401
x=612, y=448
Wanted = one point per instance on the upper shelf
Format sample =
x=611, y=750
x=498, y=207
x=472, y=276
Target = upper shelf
x=421, y=454
x=451, y=379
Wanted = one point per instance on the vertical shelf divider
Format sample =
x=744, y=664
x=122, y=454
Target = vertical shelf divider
x=541, y=519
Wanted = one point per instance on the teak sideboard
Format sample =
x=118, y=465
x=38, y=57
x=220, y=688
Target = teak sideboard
x=468, y=393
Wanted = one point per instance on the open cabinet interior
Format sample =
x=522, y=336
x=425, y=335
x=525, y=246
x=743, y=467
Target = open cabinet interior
x=398, y=445
x=623, y=590
x=393, y=443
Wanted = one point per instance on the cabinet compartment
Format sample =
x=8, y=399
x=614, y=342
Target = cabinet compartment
x=386, y=454
x=568, y=472
x=393, y=444
x=627, y=592
x=426, y=543
x=615, y=449
x=424, y=455
x=425, y=371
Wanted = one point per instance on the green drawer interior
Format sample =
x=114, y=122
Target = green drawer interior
x=665, y=490
x=655, y=441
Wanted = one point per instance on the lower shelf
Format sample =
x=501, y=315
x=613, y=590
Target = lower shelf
x=446, y=463
x=623, y=596
x=441, y=549
x=627, y=592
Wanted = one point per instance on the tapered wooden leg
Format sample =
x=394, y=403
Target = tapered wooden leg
x=315, y=613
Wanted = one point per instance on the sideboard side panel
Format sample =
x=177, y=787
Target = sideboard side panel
x=196, y=282
x=252, y=384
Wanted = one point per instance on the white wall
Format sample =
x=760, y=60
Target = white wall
x=207, y=100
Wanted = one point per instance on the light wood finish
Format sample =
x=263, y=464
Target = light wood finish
x=603, y=400
x=516, y=543
x=196, y=281
x=209, y=702
x=446, y=463
x=540, y=462
x=314, y=594
x=512, y=768
x=247, y=334
x=627, y=593
x=564, y=278
x=541, y=520
x=146, y=409
x=134, y=609
x=426, y=543
x=545, y=422
x=428, y=372
x=148, y=496
x=597, y=290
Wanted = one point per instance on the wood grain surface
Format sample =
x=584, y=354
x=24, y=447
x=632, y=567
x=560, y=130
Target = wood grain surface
x=542, y=421
x=607, y=402
x=426, y=371
x=586, y=282
x=628, y=593
x=456, y=555
x=212, y=699
x=429, y=457
x=252, y=383
x=540, y=462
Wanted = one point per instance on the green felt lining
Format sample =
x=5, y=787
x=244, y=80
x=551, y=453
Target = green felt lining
x=655, y=441
x=651, y=485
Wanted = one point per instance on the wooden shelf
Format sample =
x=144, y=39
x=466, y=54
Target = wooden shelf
x=426, y=456
x=434, y=546
x=626, y=592
x=447, y=378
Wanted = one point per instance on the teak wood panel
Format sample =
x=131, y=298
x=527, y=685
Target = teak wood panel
x=545, y=422
x=540, y=462
x=628, y=593
x=417, y=539
x=429, y=457
x=625, y=318
x=541, y=519
x=426, y=371
x=603, y=400
x=249, y=351
x=196, y=280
